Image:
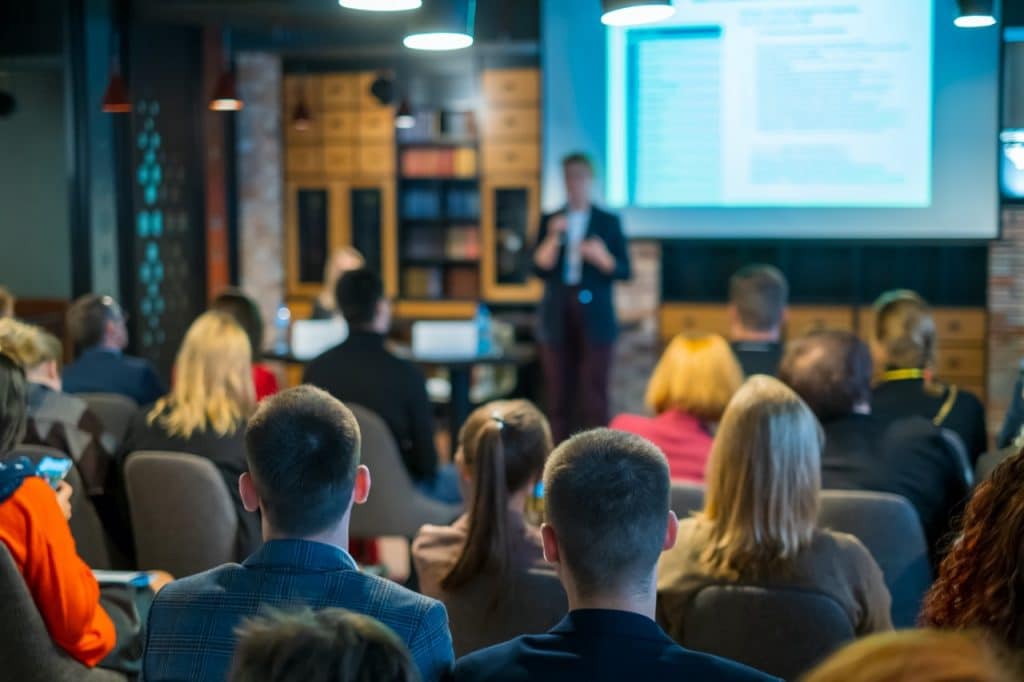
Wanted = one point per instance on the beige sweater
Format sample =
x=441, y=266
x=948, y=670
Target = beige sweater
x=835, y=564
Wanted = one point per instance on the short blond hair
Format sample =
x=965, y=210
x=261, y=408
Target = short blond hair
x=28, y=344
x=697, y=375
x=213, y=387
x=904, y=330
x=7, y=302
x=918, y=655
x=764, y=479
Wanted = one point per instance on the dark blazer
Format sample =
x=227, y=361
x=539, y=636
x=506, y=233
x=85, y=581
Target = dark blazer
x=595, y=287
x=362, y=371
x=191, y=630
x=597, y=645
x=99, y=370
x=758, y=357
x=1014, y=420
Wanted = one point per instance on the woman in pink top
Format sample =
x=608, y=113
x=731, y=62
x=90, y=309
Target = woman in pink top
x=693, y=382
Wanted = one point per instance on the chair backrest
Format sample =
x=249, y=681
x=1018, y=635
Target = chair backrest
x=961, y=459
x=183, y=519
x=91, y=540
x=687, y=498
x=530, y=602
x=891, y=530
x=988, y=462
x=114, y=410
x=782, y=632
x=26, y=649
x=395, y=506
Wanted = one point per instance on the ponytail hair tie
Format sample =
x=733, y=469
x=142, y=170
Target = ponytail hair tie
x=498, y=420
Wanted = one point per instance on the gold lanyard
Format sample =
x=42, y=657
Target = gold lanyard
x=900, y=374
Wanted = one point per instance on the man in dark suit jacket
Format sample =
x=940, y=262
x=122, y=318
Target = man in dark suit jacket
x=757, y=310
x=98, y=330
x=580, y=252
x=304, y=476
x=361, y=370
x=607, y=503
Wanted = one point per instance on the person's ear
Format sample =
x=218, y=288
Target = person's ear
x=247, y=491
x=52, y=372
x=549, y=540
x=671, y=532
x=361, y=488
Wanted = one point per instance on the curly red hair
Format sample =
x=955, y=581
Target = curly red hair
x=981, y=580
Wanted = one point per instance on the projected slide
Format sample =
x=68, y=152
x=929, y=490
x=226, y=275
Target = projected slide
x=780, y=103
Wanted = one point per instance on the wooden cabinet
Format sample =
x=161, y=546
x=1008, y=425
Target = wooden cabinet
x=511, y=86
x=506, y=158
x=510, y=209
x=340, y=91
x=692, y=318
x=340, y=126
x=511, y=123
x=803, y=319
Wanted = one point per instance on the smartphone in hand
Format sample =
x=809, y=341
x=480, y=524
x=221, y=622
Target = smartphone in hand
x=54, y=469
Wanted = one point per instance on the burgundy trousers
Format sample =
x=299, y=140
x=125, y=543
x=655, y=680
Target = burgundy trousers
x=576, y=375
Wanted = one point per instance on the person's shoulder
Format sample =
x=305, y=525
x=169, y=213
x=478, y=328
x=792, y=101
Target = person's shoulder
x=697, y=665
x=847, y=548
x=630, y=422
x=494, y=662
x=137, y=364
x=395, y=605
x=430, y=536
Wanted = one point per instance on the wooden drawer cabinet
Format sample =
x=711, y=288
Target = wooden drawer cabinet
x=377, y=124
x=511, y=158
x=376, y=159
x=312, y=135
x=304, y=160
x=692, y=318
x=340, y=126
x=511, y=86
x=953, y=361
x=953, y=325
x=804, y=319
x=512, y=124
x=339, y=160
x=340, y=91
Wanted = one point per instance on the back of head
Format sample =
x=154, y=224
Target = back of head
x=980, y=583
x=503, y=446
x=917, y=656
x=830, y=370
x=29, y=345
x=302, y=447
x=904, y=330
x=13, y=397
x=87, y=319
x=213, y=388
x=606, y=494
x=760, y=294
x=245, y=312
x=763, y=479
x=697, y=375
x=330, y=645
x=359, y=293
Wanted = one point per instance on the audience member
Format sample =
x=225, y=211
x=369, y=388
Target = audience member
x=607, y=504
x=980, y=583
x=247, y=314
x=330, y=645
x=304, y=476
x=691, y=385
x=758, y=295
x=362, y=371
x=99, y=333
x=759, y=520
x=91, y=628
x=57, y=419
x=206, y=410
x=345, y=259
x=831, y=371
x=7, y=302
x=918, y=656
x=903, y=346
x=1012, y=430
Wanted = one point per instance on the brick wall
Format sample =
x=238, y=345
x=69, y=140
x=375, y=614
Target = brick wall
x=1006, y=314
x=260, y=182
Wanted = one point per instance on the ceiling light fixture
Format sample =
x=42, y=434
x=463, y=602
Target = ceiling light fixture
x=404, y=118
x=381, y=5
x=225, y=94
x=975, y=13
x=116, y=99
x=635, y=12
x=302, y=119
x=443, y=25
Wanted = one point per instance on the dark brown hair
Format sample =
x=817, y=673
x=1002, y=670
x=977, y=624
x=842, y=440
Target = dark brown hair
x=830, y=370
x=606, y=494
x=13, y=403
x=578, y=158
x=504, y=446
x=330, y=645
x=760, y=294
x=981, y=580
x=246, y=313
x=87, y=319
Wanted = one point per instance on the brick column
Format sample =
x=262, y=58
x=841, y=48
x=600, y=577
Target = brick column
x=1006, y=314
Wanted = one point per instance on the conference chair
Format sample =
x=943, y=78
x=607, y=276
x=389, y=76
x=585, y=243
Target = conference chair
x=395, y=506
x=687, y=498
x=183, y=519
x=27, y=653
x=91, y=540
x=783, y=632
x=529, y=601
x=114, y=410
x=888, y=525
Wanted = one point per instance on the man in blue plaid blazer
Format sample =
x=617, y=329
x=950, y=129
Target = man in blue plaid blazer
x=304, y=475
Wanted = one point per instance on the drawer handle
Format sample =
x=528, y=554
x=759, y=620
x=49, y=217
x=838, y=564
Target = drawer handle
x=954, y=325
x=510, y=121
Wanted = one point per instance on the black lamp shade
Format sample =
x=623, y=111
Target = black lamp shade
x=116, y=99
x=225, y=96
x=976, y=13
x=442, y=25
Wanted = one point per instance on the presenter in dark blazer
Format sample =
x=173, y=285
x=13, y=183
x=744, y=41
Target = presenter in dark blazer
x=580, y=253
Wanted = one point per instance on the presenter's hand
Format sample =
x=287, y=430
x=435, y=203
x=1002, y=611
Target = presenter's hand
x=596, y=253
x=557, y=226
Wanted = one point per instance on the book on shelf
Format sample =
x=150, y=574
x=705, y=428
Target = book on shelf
x=462, y=242
x=422, y=282
x=444, y=162
x=462, y=283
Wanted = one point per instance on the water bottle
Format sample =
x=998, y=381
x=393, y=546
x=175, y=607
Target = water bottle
x=282, y=325
x=484, y=340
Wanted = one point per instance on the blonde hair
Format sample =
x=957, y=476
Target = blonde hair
x=763, y=479
x=30, y=345
x=7, y=301
x=904, y=330
x=917, y=656
x=697, y=375
x=213, y=386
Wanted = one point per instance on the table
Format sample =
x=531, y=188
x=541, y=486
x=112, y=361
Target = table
x=460, y=371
